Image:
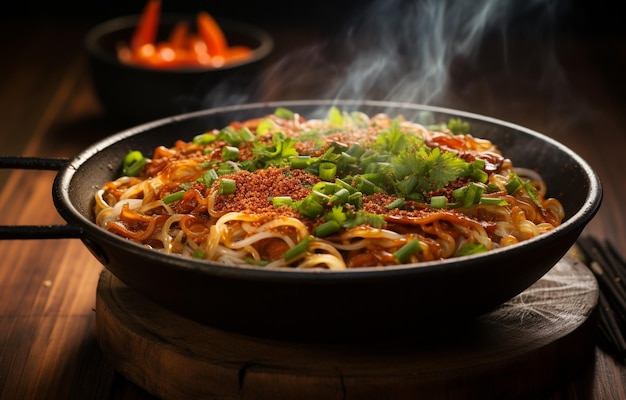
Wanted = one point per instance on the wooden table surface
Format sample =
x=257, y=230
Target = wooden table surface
x=48, y=349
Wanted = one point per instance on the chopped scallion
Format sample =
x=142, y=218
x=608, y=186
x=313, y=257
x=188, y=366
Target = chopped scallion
x=204, y=139
x=299, y=162
x=438, y=202
x=283, y=113
x=298, y=249
x=325, y=187
x=209, y=177
x=356, y=150
x=405, y=252
x=198, y=254
x=471, y=248
x=230, y=153
x=282, y=201
x=310, y=208
x=514, y=184
x=494, y=201
x=340, y=196
x=172, y=197
x=227, y=186
x=345, y=185
x=327, y=228
x=133, y=163
x=397, y=203
x=356, y=199
x=265, y=126
x=335, y=116
x=327, y=171
x=365, y=186
x=260, y=263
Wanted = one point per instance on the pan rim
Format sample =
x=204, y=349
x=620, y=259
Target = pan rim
x=71, y=214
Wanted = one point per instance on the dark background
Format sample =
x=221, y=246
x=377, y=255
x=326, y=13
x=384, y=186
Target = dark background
x=583, y=16
x=542, y=48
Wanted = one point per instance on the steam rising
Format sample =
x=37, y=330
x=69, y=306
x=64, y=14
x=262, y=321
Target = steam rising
x=401, y=50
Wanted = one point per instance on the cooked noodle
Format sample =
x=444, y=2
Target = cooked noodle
x=347, y=191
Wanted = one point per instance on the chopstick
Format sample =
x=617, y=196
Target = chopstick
x=609, y=268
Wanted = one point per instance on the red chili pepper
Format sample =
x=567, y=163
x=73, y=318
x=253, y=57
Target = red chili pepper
x=147, y=27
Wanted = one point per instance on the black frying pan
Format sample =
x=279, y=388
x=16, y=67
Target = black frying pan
x=313, y=304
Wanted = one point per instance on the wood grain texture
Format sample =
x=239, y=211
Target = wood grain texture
x=542, y=336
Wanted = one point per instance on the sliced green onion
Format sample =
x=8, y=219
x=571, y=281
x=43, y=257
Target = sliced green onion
x=375, y=177
x=265, y=126
x=493, y=201
x=473, y=194
x=469, y=194
x=230, y=153
x=405, y=252
x=327, y=228
x=209, y=177
x=346, y=159
x=260, y=263
x=335, y=117
x=204, y=139
x=368, y=157
x=459, y=193
x=319, y=197
x=345, y=185
x=227, y=168
x=231, y=136
x=397, y=203
x=365, y=186
x=438, y=202
x=298, y=249
x=172, y=197
x=471, y=248
x=415, y=197
x=248, y=165
x=514, y=184
x=356, y=199
x=475, y=170
x=198, y=254
x=227, y=186
x=532, y=193
x=327, y=171
x=282, y=201
x=246, y=134
x=283, y=113
x=325, y=187
x=133, y=163
x=299, y=162
x=364, y=218
x=340, y=196
x=356, y=150
x=310, y=208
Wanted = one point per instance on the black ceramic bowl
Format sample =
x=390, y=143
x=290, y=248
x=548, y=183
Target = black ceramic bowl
x=330, y=304
x=136, y=94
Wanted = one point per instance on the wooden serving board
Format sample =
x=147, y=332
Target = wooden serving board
x=540, y=339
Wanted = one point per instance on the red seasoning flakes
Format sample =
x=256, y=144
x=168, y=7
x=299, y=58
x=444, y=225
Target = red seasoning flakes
x=254, y=190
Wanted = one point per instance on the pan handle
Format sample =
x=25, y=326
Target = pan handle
x=41, y=163
x=37, y=231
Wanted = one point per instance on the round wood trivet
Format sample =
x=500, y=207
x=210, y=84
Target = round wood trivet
x=528, y=346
